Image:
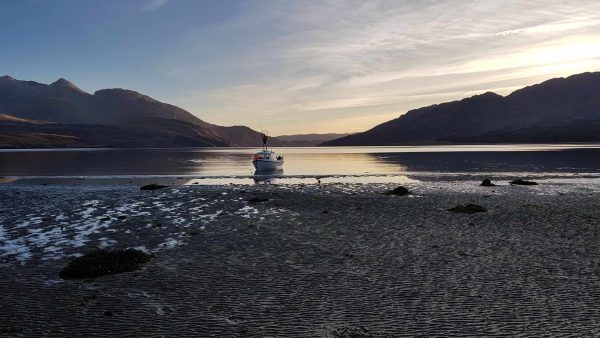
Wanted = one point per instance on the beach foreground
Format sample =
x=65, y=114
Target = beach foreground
x=313, y=260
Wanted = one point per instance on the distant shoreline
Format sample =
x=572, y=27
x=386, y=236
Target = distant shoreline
x=574, y=144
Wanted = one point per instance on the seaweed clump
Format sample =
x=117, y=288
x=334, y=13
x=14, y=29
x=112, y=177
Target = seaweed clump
x=257, y=200
x=103, y=262
x=399, y=191
x=487, y=183
x=468, y=209
x=523, y=182
x=153, y=186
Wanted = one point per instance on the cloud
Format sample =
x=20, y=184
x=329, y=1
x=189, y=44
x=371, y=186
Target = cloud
x=366, y=61
x=151, y=5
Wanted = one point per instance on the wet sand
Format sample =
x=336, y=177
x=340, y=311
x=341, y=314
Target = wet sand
x=313, y=260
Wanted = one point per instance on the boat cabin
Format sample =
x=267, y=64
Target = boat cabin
x=267, y=155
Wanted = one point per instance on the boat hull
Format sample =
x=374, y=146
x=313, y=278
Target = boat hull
x=264, y=165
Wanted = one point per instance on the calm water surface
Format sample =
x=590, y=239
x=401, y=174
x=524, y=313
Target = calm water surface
x=314, y=161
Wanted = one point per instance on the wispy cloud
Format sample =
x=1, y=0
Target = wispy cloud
x=367, y=61
x=151, y=5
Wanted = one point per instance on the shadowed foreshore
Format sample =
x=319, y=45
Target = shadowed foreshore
x=331, y=260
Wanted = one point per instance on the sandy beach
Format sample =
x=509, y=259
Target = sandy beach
x=331, y=260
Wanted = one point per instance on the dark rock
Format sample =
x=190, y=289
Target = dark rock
x=103, y=262
x=107, y=313
x=257, y=199
x=325, y=212
x=487, y=183
x=153, y=186
x=468, y=209
x=523, y=182
x=399, y=191
x=122, y=217
x=105, y=219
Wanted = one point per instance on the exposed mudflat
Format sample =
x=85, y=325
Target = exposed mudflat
x=312, y=260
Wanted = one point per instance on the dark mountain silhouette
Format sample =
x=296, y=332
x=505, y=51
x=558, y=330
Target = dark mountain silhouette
x=557, y=110
x=60, y=114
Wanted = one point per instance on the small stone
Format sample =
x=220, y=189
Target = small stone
x=468, y=209
x=487, y=183
x=257, y=199
x=153, y=186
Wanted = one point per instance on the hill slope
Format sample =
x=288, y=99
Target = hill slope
x=109, y=117
x=557, y=110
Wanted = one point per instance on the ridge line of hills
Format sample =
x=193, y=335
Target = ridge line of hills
x=556, y=110
x=37, y=115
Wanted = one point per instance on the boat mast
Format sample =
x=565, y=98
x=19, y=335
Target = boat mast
x=265, y=137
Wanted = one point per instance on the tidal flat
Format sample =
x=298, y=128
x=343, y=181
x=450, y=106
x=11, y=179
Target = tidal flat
x=316, y=260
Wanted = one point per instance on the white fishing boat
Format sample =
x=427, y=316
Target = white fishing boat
x=267, y=160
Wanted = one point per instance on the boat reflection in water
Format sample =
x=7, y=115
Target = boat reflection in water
x=267, y=176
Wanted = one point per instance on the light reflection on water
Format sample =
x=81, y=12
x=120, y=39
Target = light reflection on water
x=359, y=162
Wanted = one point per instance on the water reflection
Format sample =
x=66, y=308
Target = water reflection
x=358, y=161
x=267, y=176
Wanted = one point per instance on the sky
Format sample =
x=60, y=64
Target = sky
x=299, y=66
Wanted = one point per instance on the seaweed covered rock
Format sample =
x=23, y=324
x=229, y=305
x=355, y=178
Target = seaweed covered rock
x=399, y=191
x=487, y=183
x=103, y=262
x=153, y=186
x=523, y=182
x=468, y=209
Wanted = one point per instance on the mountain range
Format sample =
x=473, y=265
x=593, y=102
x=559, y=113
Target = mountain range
x=36, y=115
x=557, y=110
